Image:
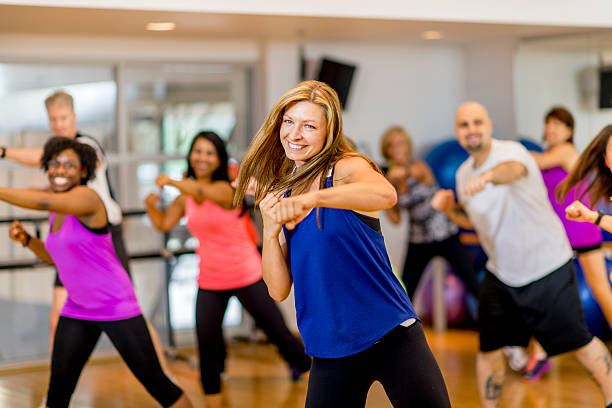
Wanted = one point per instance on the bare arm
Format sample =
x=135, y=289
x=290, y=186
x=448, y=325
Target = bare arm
x=274, y=263
x=221, y=192
x=164, y=220
x=26, y=156
x=564, y=155
x=444, y=200
x=78, y=201
x=18, y=234
x=421, y=172
x=577, y=211
x=504, y=173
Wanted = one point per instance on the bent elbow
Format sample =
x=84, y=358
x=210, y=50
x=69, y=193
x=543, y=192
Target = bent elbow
x=389, y=198
x=277, y=295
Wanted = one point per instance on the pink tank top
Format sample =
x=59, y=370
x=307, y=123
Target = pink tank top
x=228, y=256
x=580, y=234
x=98, y=287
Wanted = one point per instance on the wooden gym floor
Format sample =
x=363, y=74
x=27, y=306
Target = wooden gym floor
x=256, y=377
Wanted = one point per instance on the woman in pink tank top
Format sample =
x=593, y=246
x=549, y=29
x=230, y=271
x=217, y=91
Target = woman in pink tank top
x=556, y=162
x=230, y=264
x=100, y=294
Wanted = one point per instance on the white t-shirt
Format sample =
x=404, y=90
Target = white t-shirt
x=100, y=182
x=515, y=223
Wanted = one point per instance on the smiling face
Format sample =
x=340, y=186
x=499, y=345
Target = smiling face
x=473, y=128
x=398, y=148
x=556, y=132
x=204, y=158
x=62, y=120
x=65, y=171
x=303, y=131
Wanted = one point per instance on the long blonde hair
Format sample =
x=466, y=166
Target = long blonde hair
x=265, y=159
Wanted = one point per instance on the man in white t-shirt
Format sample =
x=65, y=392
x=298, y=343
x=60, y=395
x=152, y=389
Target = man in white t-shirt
x=530, y=286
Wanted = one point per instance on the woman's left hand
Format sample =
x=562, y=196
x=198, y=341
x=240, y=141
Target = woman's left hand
x=291, y=210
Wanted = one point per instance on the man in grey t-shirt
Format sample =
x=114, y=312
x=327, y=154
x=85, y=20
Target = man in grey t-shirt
x=530, y=286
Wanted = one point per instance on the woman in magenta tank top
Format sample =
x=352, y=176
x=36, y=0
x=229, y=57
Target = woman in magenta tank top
x=100, y=294
x=556, y=162
x=230, y=263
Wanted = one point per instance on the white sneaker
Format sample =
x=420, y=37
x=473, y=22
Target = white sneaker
x=517, y=358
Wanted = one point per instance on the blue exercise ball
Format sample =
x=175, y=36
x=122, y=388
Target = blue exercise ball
x=593, y=315
x=444, y=160
x=531, y=145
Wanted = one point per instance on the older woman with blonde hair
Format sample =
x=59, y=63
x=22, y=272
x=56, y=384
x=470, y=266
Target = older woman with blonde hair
x=431, y=232
x=319, y=201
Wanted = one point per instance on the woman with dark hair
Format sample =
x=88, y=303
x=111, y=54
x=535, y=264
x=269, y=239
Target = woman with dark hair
x=320, y=201
x=556, y=162
x=230, y=264
x=100, y=294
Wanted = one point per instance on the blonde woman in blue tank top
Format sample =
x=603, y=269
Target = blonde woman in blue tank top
x=319, y=201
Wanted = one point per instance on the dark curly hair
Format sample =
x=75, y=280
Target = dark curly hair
x=87, y=155
x=220, y=172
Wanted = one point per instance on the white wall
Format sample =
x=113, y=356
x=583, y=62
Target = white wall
x=550, y=73
x=415, y=86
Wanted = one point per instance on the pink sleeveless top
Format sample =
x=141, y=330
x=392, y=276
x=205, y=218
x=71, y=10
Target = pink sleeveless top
x=228, y=256
x=98, y=287
x=580, y=234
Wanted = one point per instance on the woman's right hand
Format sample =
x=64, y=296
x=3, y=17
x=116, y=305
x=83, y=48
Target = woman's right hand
x=152, y=200
x=271, y=228
x=443, y=200
x=577, y=211
x=17, y=233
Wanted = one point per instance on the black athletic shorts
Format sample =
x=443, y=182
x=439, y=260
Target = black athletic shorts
x=548, y=309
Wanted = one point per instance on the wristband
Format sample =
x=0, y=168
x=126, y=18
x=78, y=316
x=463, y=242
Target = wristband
x=3, y=154
x=600, y=215
x=27, y=240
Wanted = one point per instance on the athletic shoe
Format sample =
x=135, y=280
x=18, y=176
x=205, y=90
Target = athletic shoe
x=517, y=358
x=539, y=368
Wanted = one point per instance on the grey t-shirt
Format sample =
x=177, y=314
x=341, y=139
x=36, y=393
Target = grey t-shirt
x=516, y=224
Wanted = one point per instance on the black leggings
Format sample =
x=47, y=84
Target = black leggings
x=401, y=361
x=451, y=249
x=74, y=342
x=210, y=308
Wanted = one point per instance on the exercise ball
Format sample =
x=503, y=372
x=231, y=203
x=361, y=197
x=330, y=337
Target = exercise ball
x=530, y=145
x=455, y=298
x=593, y=315
x=444, y=160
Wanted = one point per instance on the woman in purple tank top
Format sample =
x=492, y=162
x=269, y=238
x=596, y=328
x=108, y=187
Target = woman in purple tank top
x=100, y=294
x=556, y=162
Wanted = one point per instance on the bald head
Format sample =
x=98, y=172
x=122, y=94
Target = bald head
x=473, y=127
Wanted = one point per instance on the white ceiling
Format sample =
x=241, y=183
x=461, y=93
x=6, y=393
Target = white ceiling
x=106, y=22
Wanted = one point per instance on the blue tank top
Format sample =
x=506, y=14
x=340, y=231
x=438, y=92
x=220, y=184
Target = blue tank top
x=346, y=295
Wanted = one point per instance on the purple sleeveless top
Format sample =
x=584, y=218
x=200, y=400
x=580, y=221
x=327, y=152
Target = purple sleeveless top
x=98, y=287
x=580, y=234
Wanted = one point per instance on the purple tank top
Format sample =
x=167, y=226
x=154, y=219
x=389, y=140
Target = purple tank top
x=580, y=234
x=98, y=287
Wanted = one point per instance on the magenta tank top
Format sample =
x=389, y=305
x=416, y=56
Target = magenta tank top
x=580, y=234
x=229, y=258
x=98, y=287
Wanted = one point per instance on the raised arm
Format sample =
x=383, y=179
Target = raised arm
x=357, y=187
x=221, y=192
x=504, y=173
x=444, y=200
x=577, y=211
x=274, y=263
x=18, y=234
x=26, y=156
x=164, y=220
x=78, y=201
x=563, y=155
